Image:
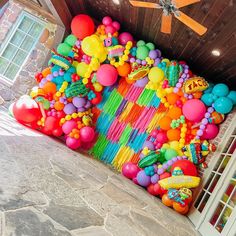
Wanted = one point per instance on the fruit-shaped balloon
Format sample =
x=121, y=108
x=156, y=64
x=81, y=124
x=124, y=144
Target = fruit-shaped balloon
x=172, y=73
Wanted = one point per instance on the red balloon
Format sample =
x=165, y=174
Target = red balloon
x=82, y=26
x=97, y=99
x=26, y=111
x=51, y=124
x=165, y=175
x=57, y=132
x=186, y=166
x=154, y=189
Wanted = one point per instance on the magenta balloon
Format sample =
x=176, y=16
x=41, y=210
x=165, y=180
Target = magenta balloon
x=125, y=37
x=68, y=126
x=107, y=75
x=107, y=20
x=130, y=170
x=87, y=134
x=194, y=110
x=73, y=143
x=161, y=138
x=210, y=132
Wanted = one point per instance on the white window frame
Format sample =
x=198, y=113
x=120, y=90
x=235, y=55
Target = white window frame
x=7, y=40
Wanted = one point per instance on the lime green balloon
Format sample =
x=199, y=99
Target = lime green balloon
x=151, y=46
x=64, y=49
x=82, y=68
x=140, y=43
x=170, y=153
x=142, y=52
x=70, y=40
x=46, y=104
x=156, y=75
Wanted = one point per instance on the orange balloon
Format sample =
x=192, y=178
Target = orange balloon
x=174, y=112
x=197, y=95
x=180, y=209
x=172, y=98
x=194, y=131
x=167, y=201
x=59, y=106
x=50, y=87
x=46, y=72
x=128, y=81
x=173, y=134
x=180, y=93
x=124, y=70
x=165, y=122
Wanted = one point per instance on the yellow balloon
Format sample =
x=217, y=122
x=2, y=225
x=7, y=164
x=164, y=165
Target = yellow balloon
x=156, y=75
x=166, y=146
x=91, y=45
x=82, y=68
x=98, y=87
x=174, y=145
x=167, y=61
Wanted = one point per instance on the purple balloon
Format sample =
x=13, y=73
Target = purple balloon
x=79, y=102
x=81, y=109
x=141, y=156
x=160, y=171
x=199, y=132
x=141, y=82
x=88, y=104
x=158, y=53
x=55, y=73
x=143, y=179
x=69, y=108
x=153, y=54
x=174, y=159
x=149, y=145
x=154, y=179
x=170, y=162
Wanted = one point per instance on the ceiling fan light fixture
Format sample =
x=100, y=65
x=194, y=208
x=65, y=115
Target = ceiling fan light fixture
x=216, y=52
x=117, y=2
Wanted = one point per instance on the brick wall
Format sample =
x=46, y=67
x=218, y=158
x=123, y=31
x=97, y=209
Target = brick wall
x=51, y=36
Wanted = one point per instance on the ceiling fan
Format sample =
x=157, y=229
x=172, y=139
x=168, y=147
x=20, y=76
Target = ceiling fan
x=170, y=7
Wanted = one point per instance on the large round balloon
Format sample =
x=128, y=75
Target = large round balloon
x=87, y=134
x=26, y=110
x=130, y=170
x=156, y=75
x=210, y=131
x=82, y=26
x=232, y=96
x=125, y=37
x=220, y=90
x=186, y=166
x=223, y=105
x=107, y=75
x=194, y=110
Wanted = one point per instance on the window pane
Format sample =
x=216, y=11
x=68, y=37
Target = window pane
x=3, y=65
x=214, y=183
x=232, y=200
x=11, y=71
x=36, y=30
x=209, y=181
x=17, y=38
x=223, y=219
x=204, y=202
x=9, y=52
x=228, y=145
x=216, y=214
x=199, y=199
x=233, y=147
x=224, y=164
x=27, y=43
x=228, y=192
x=25, y=24
x=219, y=162
x=19, y=57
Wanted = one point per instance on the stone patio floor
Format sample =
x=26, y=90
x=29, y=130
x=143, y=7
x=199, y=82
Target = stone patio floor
x=47, y=189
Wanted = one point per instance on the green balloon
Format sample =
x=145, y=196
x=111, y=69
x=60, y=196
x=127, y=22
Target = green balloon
x=140, y=43
x=170, y=153
x=151, y=46
x=63, y=49
x=142, y=52
x=70, y=40
x=46, y=104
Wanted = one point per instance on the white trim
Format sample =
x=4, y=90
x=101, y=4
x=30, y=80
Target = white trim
x=7, y=40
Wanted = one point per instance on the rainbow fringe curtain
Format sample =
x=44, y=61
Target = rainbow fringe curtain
x=128, y=115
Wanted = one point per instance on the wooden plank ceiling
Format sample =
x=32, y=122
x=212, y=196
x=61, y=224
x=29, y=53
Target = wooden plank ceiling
x=219, y=16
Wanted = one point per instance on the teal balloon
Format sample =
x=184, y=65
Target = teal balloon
x=151, y=46
x=209, y=89
x=67, y=77
x=170, y=153
x=223, y=105
x=207, y=99
x=142, y=52
x=220, y=90
x=140, y=43
x=64, y=49
x=232, y=96
x=70, y=40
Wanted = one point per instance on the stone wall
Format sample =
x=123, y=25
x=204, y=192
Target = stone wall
x=51, y=36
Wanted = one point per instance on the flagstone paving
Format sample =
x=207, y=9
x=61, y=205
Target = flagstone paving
x=47, y=189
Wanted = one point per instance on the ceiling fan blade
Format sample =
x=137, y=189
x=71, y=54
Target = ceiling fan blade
x=191, y=23
x=166, y=23
x=183, y=3
x=144, y=4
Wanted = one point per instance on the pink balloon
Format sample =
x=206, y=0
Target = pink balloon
x=107, y=75
x=210, y=131
x=110, y=29
x=87, y=134
x=68, y=126
x=194, y=110
x=73, y=143
x=125, y=37
x=116, y=25
x=107, y=20
x=161, y=137
x=130, y=170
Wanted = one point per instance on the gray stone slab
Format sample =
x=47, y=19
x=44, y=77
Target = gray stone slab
x=28, y=222
x=91, y=231
x=74, y=217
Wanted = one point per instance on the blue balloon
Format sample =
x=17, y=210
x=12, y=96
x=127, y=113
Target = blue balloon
x=223, y=105
x=220, y=90
x=232, y=96
x=207, y=99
